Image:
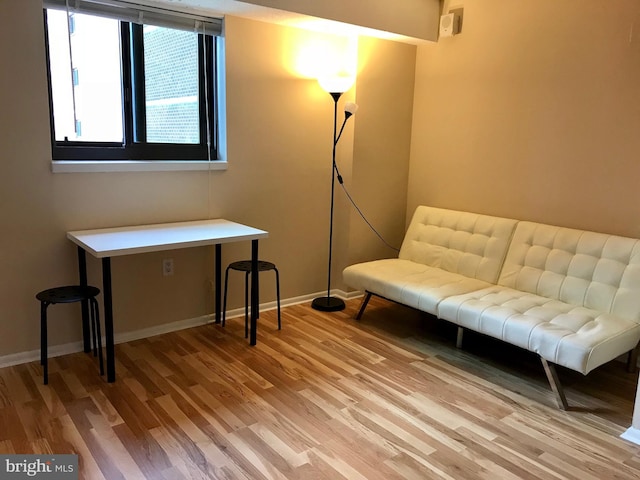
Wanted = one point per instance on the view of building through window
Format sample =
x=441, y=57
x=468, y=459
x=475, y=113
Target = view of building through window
x=171, y=85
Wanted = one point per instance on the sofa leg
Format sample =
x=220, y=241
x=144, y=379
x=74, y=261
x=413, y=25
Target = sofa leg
x=632, y=359
x=459, y=337
x=552, y=376
x=363, y=305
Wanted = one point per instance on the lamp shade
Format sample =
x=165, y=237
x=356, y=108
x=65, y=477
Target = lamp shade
x=336, y=83
x=350, y=108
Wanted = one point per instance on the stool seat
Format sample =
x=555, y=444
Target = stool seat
x=245, y=266
x=69, y=294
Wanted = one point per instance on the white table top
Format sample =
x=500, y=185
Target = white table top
x=112, y=242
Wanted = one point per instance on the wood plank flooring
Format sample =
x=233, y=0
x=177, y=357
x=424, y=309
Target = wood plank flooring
x=327, y=397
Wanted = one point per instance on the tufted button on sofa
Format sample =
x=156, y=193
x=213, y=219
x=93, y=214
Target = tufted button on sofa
x=570, y=296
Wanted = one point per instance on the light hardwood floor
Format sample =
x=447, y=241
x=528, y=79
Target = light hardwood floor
x=389, y=397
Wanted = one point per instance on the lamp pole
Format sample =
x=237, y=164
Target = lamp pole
x=329, y=303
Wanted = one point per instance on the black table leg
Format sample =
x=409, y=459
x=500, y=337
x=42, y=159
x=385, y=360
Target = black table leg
x=218, y=280
x=255, y=293
x=108, y=319
x=82, y=267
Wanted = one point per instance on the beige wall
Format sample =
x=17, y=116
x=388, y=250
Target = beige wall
x=381, y=148
x=533, y=112
x=279, y=153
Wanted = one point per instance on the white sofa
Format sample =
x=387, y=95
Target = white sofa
x=570, y=296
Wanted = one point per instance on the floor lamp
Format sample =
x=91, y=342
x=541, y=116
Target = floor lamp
x=335, y=87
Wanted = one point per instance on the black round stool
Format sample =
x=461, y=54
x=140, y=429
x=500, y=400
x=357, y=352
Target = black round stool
x=69, y=294
x=245, y=266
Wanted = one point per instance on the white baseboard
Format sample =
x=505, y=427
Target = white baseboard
x=74, y=347
x=632, y=435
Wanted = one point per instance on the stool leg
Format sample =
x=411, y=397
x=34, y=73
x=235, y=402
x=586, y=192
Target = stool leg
x=43, y=342
x=93, y=326
x=246, y=305
x=224, y=305
x=95, y=319
x=278, y=296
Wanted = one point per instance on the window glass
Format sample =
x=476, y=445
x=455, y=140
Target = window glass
x=171, y=85
x=89, y=92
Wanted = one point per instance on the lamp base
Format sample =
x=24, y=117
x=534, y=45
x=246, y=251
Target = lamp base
x=328, y=304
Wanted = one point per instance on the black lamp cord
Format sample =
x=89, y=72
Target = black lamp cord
x=339, y=177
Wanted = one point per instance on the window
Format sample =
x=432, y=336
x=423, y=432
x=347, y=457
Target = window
x=140, y=91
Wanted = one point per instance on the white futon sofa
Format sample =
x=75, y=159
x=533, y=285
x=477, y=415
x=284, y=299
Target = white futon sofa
x=570, y=296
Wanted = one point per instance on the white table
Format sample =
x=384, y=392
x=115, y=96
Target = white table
x=111, y=242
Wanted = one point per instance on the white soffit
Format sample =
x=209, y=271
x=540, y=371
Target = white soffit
x=272, y=15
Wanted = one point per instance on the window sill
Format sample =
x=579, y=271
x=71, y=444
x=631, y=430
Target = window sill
x=67, y=166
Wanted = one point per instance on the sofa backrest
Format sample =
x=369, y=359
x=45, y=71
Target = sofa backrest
x=582, y=268
x=460, y=242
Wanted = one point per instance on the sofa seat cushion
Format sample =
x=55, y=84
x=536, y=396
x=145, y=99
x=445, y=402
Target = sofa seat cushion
x=576, y=337
x=410, y=283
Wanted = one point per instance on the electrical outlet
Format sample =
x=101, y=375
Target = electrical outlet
x=167, y=266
